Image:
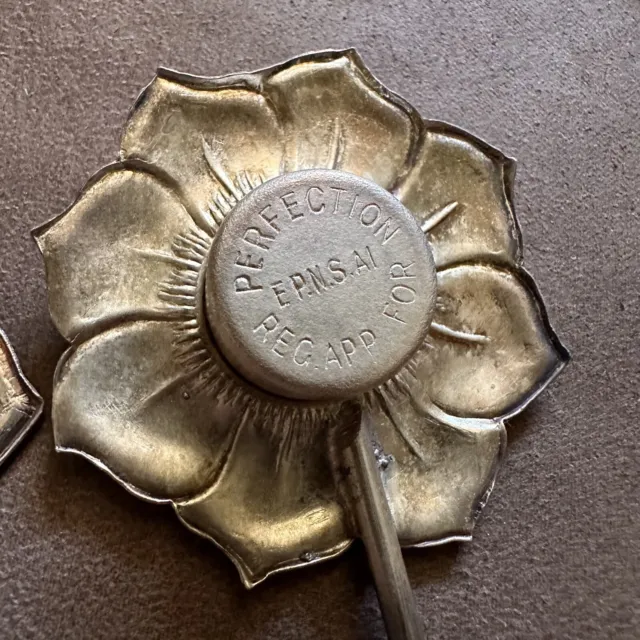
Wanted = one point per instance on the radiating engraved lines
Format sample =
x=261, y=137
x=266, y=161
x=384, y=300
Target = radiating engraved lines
x=461, y=336
x=179, y=293
x=438, y=216
x=189, y=252
x=230, y=192
x=287, y=436
x=294, y=429
x=400, y=384
x=202, y=371
x=133, y=409
x=212, y=157
x=388, y=408
x=192, y=246
x=336, y=147
x=156, y=254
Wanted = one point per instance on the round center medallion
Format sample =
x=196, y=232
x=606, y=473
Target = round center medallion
x=320, y=286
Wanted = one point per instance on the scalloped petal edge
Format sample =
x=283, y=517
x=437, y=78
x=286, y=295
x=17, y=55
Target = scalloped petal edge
x=251, y=578
x=254, y=81
x=508, y=166
x=465, y=423
x=564, y=355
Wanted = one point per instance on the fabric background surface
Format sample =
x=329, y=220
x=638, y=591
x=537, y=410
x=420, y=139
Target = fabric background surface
x=555, y=84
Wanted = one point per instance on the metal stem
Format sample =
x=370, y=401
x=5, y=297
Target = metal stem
x=378, y=533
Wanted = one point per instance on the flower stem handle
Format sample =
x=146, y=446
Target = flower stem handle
x=378, y=532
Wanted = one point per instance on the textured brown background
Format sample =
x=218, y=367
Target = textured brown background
x=556, y=83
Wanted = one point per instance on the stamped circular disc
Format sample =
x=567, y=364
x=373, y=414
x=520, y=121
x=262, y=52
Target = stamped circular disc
x=320, y=285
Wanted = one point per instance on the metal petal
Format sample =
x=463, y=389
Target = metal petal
x=460, y=189
x=20, y=403
x=491, y=347
x=441, y=470
x=274, y=506
x=206, y=135
x=108, y=254
x=337, y=116
x=122, y=401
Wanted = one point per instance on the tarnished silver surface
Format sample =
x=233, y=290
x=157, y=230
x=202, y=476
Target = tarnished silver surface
x=244, y=449
x=20, y=404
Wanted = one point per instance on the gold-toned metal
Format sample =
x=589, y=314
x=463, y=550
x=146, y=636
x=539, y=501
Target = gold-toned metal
x=20, y=403
x=144, y=391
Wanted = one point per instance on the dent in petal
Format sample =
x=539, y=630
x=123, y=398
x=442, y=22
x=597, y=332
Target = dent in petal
x=121, y=400
x=441, y=473
x=492, y=349
x=182, y=128
x=336, y=116
x=107, y=256
x=274, y=506
x=465, y=178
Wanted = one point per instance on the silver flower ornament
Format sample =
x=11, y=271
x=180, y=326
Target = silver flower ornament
x=144, y=391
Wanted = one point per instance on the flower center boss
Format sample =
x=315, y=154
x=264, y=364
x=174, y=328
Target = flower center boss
x=320, y=285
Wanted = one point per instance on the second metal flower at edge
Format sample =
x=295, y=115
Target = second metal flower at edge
x=20, y=403
x=276, y=257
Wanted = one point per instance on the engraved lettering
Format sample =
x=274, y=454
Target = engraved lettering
x=243, y=284
x=388, y=233
x=361, y=264
x=368, y=339
x=317, y=278
x=319, y=208
x=373, y=262
x=289, y=201
x=369, y=214
x=403, y=294
x=282, y=341
x=348, y=347
x=353, y=206
x=255, y=237
x=332, y=357
x=281, y=293
x=247, y=260
x=303, y=352
x=269, y=324
x=394, y=315
x=346, y=256
x=299, y=283
x=269, y=219
x=399, y=270
x=338, y=192
x=338, y=273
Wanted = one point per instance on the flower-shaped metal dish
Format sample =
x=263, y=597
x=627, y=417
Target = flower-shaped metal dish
x=20, y=403
x=162, y=386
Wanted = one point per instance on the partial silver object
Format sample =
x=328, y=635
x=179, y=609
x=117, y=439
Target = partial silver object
x=20, y=403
